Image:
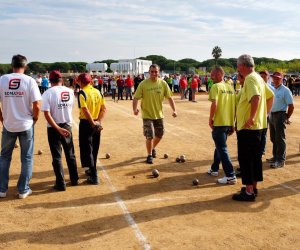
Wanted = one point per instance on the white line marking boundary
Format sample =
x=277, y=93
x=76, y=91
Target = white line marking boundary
x=141, y=238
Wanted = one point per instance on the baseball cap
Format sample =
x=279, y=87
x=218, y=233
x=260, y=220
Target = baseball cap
x=84, y=78
x=54, y=75
x=277, y=74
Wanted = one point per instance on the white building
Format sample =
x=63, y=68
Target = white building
x=96, y=67
x=138, y=66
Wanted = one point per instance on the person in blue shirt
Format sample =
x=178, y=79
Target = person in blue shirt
x=281, y=112
x=45, y=84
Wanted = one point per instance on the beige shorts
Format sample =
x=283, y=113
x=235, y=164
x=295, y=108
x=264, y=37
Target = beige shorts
x=153, y=128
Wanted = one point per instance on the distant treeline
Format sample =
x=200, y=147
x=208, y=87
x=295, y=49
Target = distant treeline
x=169, y=65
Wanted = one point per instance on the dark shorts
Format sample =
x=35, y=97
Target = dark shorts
x=153, y=128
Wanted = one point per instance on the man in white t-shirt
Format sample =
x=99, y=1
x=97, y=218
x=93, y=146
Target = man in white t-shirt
x=57, y=105
x=20, y=107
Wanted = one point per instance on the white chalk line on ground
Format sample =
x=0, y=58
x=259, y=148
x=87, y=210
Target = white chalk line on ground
x=125, y=111
x=165, y=198
x=141, y=238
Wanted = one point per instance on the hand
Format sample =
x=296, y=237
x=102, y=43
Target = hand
x=136, y=112
x=287, y=121
x=249, y=123
x=97, y=127
x=211, y=123
x=64, y=132
x=174, y=114
x=231, y=131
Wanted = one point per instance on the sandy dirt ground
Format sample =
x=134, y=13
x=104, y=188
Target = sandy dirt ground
x=131, y=210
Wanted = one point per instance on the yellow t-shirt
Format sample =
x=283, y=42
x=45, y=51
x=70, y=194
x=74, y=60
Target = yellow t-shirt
x=152, y=95
x=92, y=100
x=254, y=85
x=224, y=95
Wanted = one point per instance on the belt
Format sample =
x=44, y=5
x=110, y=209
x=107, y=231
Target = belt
x=277, y=112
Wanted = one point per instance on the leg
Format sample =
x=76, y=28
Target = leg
x=69, y=151
x=26, y=139
x=7, y=144
x=54, y=140
x=219, y=135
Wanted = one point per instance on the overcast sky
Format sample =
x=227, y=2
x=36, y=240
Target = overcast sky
x=91, y=30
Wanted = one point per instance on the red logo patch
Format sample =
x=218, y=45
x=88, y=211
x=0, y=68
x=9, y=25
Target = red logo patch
x=14, y=83
x=65, y=96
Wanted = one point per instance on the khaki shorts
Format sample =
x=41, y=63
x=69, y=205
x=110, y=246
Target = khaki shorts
x=153, y=128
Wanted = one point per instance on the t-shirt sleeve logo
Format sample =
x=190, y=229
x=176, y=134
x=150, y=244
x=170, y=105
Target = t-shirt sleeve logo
x=14, y=83
x=65, y=96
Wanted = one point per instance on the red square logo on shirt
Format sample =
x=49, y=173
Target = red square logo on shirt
x=65, y=96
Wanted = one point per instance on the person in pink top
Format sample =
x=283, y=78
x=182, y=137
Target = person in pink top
x=183, y=86
x=128, y=85
x=194, y=87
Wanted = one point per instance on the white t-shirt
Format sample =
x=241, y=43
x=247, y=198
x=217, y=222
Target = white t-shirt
x=59, y=100
x=17, y=93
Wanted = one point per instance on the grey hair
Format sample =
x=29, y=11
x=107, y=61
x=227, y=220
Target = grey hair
x=246, y=60
x=18, y=61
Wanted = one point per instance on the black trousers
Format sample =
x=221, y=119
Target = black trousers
x=249, y=155
x=56, y=143
x=89, y=143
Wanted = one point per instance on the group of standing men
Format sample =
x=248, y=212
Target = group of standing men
x=248, y=113
x=20, y=107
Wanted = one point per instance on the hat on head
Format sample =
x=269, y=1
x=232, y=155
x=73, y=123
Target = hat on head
x=266, y=72
x=277, y=75
x=84, y=78
x=54, y=75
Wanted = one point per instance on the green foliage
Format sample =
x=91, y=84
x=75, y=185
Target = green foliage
x=183, y=65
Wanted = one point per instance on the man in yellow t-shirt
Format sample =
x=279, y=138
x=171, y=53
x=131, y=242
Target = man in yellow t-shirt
x=92, y=110
x=251, y=117
x=152, y=92
x=221, y=121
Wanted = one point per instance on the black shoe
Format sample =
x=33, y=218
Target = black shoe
x=74, y=183
x=93, y=180
x=88, y=172
x=149, y=159
x=238, y=174
x=59, y=188
x=154, y=153
x=243, y=196
x=243, y=189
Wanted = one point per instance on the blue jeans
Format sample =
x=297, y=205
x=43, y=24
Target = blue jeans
x=26, y=140
x=219, y=135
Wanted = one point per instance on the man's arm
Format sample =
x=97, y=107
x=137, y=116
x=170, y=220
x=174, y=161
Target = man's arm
x=269, y=104
x=213, y=108
x=101, y=113
x=172, y=104
x=36, y=111
x=289, y=113
x=254, y=106
x=50, y=120
x=134, y=106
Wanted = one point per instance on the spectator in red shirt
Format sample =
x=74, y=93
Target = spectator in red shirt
x=129, y=84
x=194, y=87
x=120, y=83
x=183, y=86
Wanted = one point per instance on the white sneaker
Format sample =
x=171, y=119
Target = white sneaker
x=23, y=196
x=212, y=173
x=2, y=195
x=227, y=180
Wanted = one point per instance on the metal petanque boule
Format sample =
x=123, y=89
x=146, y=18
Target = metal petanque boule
x=107, y=156
x=195, y=182
x=155, y=173
x=40, y=152
x=166, y=156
